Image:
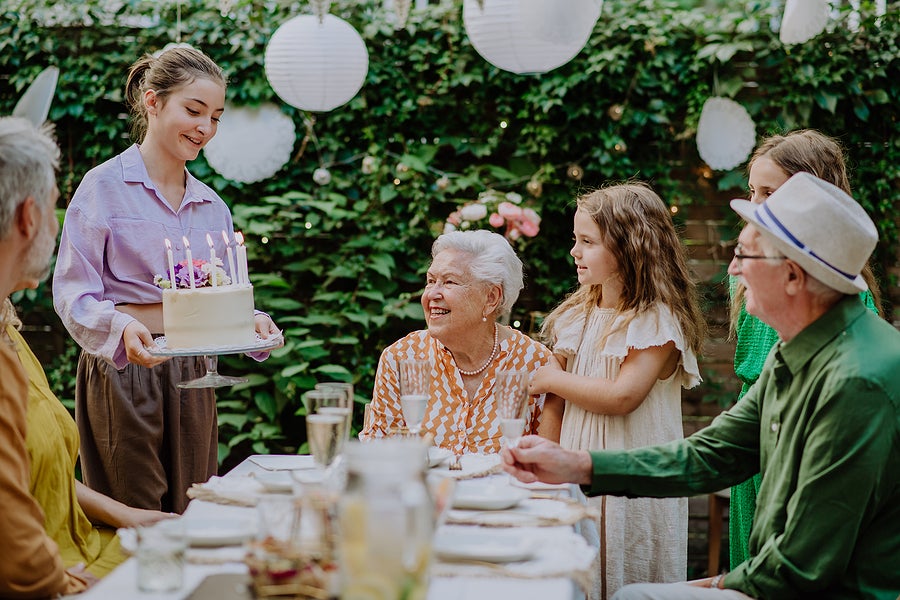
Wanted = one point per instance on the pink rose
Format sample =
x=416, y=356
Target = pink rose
x=454, y=218
x=528, y=228
x=496, y=220
x=532, y=216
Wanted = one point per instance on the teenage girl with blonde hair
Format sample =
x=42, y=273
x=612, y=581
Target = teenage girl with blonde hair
x=773, y=162
x=144, y=441
x=627, y=341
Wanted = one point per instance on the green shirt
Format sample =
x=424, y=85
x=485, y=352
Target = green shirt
x=823, y=422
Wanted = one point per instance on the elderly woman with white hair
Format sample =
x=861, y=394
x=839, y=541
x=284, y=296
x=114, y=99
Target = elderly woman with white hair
x=474, y=277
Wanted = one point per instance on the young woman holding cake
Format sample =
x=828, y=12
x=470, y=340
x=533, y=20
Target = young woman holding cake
x=144, y=440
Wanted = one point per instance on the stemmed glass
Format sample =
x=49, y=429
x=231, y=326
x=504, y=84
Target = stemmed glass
x=347, y=390
x=212, y=379
x=511, y=398
x=415, y=389
x=327, y=425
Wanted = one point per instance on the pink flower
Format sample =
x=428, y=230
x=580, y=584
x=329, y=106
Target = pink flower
x=508, y=210
x=531, y=215
x=454, y=218
x=528, y=228
x=496, y=220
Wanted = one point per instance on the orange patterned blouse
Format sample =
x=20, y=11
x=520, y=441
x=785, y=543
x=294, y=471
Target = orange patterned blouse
x=458, y=424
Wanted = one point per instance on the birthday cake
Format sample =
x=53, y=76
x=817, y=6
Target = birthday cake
x=202, y=306
x=209, y=317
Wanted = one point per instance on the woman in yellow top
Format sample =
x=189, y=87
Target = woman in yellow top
x=81, y=521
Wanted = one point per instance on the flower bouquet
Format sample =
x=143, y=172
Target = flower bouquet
x=500, y=210
x=202, y=271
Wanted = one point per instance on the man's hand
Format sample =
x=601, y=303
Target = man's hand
x=136, y=337
x=539, y=459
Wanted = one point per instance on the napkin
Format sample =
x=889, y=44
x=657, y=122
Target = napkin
x=235, y=490
x=535, y=512
x=558, y=552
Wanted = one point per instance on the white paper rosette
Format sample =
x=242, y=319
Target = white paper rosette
x=529, y=36
x=316, y=66
x=726, y=134
x=803, y=20
x=252, y=143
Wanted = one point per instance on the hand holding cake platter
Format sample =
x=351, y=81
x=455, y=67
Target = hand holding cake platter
x=207, y=312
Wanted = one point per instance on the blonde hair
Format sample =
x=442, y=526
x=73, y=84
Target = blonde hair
x=637, y=229
x=813, y=152
x=165, y=74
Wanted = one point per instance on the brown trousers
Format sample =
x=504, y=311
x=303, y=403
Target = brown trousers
x=144, y=441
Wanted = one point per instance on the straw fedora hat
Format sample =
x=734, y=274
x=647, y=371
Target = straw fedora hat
x=819, y=227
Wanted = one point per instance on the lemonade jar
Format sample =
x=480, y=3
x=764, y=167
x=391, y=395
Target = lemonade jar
x=386, y=522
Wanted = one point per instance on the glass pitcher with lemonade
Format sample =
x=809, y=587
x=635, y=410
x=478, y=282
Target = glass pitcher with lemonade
x=386, y=522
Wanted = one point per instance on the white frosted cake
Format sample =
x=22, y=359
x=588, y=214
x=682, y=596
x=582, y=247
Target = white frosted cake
x=209, y=317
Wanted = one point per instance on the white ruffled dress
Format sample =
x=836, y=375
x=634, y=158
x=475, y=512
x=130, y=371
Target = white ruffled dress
x=642, y=539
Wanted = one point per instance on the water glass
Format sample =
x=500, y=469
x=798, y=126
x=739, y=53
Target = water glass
x=330, y=401
x=415, y=390
x=511, y=398
x=347, y=390
x=160, y=557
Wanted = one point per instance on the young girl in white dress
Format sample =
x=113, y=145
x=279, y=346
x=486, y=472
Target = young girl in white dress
x=627, y=341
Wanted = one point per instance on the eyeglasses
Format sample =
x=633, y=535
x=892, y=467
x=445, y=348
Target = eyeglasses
x=741, y=257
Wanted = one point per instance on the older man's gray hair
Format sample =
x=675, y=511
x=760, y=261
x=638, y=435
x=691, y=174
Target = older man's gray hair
x=29, y=158
x=493, y=260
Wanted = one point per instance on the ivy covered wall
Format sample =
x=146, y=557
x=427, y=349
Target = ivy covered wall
x=340, y=265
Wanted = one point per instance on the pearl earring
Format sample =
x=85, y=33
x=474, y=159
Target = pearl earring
x=483, y=319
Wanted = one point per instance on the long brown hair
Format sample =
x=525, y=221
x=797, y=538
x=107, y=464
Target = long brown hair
x=165, y=74
x=813, y=152
x=637, y=229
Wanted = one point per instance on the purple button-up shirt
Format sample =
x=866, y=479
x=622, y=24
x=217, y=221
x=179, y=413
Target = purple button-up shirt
x=113, y=245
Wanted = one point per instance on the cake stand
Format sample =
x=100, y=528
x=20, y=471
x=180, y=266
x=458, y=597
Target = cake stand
x=210, y=355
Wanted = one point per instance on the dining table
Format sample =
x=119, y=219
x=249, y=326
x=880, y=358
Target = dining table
x=555, y=521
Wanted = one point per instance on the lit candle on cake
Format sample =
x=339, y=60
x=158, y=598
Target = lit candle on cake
x=171, y=262
x=230, y=258
x=190, y=261
x=212, y=260
x=242, y=258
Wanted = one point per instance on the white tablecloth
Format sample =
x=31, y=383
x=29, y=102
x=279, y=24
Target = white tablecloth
x=122, y=583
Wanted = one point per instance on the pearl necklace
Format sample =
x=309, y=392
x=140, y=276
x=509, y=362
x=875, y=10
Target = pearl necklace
x=490, y=358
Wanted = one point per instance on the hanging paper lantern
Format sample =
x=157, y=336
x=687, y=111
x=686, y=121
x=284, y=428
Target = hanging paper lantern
x=316, y=66
x=726, y=134
x=803, y=20
x=252, y=143
x=529, y=36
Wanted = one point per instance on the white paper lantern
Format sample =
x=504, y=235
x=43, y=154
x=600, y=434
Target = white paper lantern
x=316, y=66
x=529, y=36
x=803, y=20
x=34, y=104
x=252, y=143
x=726, y=134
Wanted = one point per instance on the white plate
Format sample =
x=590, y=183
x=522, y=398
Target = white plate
x=203, y=532
x=437, y=456
x=482, y=544
x=488, y=497
x=275, y=481
x=283, y=462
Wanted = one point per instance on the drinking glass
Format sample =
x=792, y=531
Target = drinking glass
x=330, y=401
x=160, y=557
x=511, y=398
x=325, y=433
x=347, y=390
x=415, y=388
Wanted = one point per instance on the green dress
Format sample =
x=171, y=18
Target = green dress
x=754, y=341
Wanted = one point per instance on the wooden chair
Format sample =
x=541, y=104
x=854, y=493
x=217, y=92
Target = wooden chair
x=718, y=509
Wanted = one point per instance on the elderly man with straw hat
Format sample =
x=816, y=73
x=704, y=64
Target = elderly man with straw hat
x=822, y=424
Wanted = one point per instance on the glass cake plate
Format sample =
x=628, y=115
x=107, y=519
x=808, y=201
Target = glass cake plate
x=259, y=345
x=210, y=355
